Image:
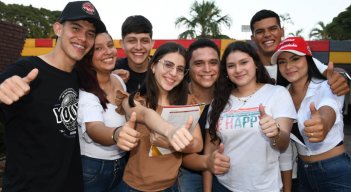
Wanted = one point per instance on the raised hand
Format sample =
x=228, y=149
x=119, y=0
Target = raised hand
x=338, y=83
x=218, y=163
x=124, y=74
x=268, y=124
x=181, y=138
x=127, y=136
x=314, y=128
x=15, y=87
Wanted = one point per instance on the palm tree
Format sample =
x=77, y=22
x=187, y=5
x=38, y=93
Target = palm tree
x=297, y=33
x=286, y=19
x=319, y=32
x=205, y=19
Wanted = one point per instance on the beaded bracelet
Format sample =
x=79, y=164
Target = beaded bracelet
x=276, y=138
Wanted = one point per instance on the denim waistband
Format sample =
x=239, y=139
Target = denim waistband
x=325, y=160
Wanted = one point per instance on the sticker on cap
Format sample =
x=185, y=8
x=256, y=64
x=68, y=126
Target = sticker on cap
x=88, y=8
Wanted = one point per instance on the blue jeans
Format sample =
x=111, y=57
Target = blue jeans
x=327, y=175
x=127, y=188
x=190, y=181
x=217, y=186
x=102, y=175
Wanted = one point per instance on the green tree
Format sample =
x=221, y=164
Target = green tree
x=205, y=21
x=340, y=27
x=298, y=33
x=319, y=32
x=37, y=21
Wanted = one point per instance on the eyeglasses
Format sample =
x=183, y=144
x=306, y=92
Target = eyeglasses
x=169, y=66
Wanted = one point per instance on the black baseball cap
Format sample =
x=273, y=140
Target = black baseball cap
x=82, y=10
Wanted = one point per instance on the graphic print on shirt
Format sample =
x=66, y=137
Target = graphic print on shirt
x=239, y=119
x=66, y=112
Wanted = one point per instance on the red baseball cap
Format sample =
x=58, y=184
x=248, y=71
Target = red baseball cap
x=295, y=45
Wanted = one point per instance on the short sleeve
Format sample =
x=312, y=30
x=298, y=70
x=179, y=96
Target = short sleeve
x=327, y=98
x=89, y=109
x=320, y=66
x=285, y=107
x=286, y=159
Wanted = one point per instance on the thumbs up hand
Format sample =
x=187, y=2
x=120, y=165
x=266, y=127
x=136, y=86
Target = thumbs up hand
x=127, y=136
x=314, y=128
x=268, y=124
x=15, y=87
x=338, y=83
x=218, y=163
x=180, y=138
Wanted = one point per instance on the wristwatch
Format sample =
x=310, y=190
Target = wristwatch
x=346, y=75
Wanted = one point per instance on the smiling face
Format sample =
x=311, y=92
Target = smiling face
x=104, y=57
x=204, y=67
x=267, y=35
x=75, y=38
x=137, y=47
x=293, y=68
x=241, y=69
x=169, y=71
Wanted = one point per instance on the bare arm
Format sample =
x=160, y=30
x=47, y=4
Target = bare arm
x=287, y=180
x=207, y=175
x=107, y=136
x=278, y=130
x=180, y=138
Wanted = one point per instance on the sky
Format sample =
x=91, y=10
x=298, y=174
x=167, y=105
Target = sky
x=162, y=13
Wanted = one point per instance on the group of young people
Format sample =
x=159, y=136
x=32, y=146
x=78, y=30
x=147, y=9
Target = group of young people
x=78, y=120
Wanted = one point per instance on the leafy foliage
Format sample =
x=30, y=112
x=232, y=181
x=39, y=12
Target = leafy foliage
x=319, y=32
x=340, y=27
x=205, y=21
x=37, y=21
x=298, y=33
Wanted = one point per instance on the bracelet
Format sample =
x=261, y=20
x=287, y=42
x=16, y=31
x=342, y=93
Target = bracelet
x=113, y=135
x=276, y=138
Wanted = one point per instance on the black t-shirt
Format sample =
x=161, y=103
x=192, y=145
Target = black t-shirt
x=41, y=136
x=135, y=79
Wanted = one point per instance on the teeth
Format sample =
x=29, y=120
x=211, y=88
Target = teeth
x=78, y=46
x=138, y=54
x=207, y=76
x=268, y=43
x=107, y=60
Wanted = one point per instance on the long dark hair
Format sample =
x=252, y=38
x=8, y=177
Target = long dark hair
x=150, y=90
x=224, y=86
x=88, y=79
x=312, y=72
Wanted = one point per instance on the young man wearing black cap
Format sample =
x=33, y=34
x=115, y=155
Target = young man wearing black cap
x=39, y=100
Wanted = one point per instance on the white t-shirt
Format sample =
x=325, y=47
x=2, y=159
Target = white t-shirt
x=254, y=162
x=320, y=93
x=91, y=110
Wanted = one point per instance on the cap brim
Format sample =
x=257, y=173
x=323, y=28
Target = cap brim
x=276, y=55
x=99, y=25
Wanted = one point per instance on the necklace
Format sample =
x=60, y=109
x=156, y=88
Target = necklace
x=247, y=98
x=244, y=99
